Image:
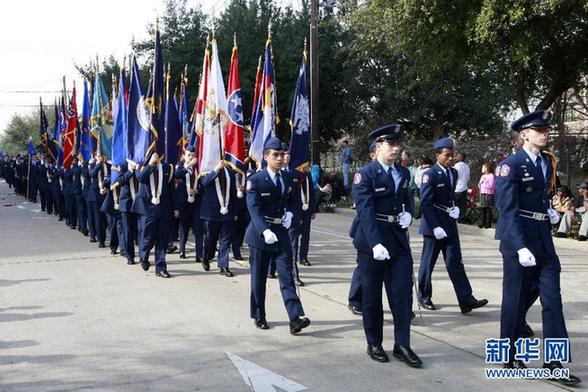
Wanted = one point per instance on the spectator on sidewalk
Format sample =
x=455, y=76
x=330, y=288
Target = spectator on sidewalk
x=486, y=185
x=573, y=213
x=346, y=159
x=461, y=188
x=412, y=188
x=562, y=200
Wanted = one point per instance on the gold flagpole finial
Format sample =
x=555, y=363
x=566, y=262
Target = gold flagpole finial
x=235, y=39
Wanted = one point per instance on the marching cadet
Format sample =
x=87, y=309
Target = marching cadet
x=70, y=214
x=97, y=171
x=241, y=215
x=78, y=196
x=128, y=219
x=269, y=201
x=45, y=179
x=111, y=208
x=380, y=191
x=33, y=179
x=218, y=195
x=153, y=203
x=187, y=203
x=439, y=229
x=524, y=230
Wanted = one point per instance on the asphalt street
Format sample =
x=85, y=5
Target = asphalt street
x=75, y=318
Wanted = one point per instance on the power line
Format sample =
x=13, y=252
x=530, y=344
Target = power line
x=32, y=91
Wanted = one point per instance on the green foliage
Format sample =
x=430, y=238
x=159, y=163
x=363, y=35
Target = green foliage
x=15, y=138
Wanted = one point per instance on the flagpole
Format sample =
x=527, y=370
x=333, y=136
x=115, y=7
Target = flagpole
x=29, y=173
x=314, y=82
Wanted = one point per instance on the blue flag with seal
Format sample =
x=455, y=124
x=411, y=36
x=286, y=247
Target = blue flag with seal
x=155, y=100
x=101, y=121
x=60, y=127
x=31, y=147
x=300, y=122
x=138, y=119
x=119, y=145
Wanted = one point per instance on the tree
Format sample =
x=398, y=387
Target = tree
x=15, y=138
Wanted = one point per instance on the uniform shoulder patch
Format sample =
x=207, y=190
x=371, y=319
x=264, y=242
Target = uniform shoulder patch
x=357, y=178
x=425, y=178
x=249, y=185
x=504, y=170
x=497, y=171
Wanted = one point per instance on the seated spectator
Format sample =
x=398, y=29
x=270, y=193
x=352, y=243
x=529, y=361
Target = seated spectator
x=573, y=213
x=562, y=199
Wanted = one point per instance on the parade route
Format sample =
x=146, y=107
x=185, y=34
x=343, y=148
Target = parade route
x=75, y=318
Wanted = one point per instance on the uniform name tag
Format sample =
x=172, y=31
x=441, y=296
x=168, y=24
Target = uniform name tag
x=528, y=179
x=380, y=189
x=265, y=194
x=440, y=185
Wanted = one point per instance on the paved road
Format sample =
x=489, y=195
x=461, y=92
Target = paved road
x=74, y=318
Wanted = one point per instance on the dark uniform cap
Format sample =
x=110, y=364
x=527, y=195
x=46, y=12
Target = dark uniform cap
x=538, y=119
x=285, y=146
x=446, y=142
x=391, y=133
x=273, y=143
x=373, y=146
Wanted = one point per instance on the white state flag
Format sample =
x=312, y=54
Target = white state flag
x=215, y=116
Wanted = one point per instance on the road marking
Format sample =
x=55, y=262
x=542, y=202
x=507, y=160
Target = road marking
x=262, y=380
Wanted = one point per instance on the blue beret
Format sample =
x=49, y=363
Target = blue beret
x=372, y=146
x=392, y=132
x=446, y=142
x=273, y=143
x=189, y=148
x=538, y=119
x=285, y=147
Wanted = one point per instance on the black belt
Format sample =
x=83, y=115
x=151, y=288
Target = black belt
x=538, y=216
x=442, y=207
x=273, y=221
x=387, y=218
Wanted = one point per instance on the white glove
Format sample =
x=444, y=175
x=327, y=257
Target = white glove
x=269, y=237
x=404, y=219
x=439, y=233
x=287, y=219
x=380, y=252
x=526, y=258
x=553, y=216
x=454, y=212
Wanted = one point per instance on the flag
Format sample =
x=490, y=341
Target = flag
x=173, y=127
x=31, y=147
x=215, y=116
x=198, y=112
x=44, y=130
x=300, y=121
x=101, y=119
x=234, y=137
x=119, y=145
x=266, y=111
x=155, y=100
x=258, y=76
x=85, y=144
x=183, y=112
x=60, y=128
x=71, y=131
x=138, y=119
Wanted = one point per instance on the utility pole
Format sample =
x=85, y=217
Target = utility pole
x=314, y=83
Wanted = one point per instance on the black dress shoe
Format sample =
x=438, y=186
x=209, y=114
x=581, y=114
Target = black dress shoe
x=412, y=315
x=305, y=262
x=515, y=364
x=171, y=249
x=582, y=238
x=113, y=251
x=145, y=265
x=163, y=274
x=198, y=259
x=299, y=282
x=377, y=353
x=92, y=239
x=131, y=262
x=238, y=257
x=73, y=227
x=182, y=255
x=473, y=304
x=527, y=331
x=405, y=354
x=226, y=272
x=261, y=324
x=571, y=380
x=85, y=233
x=271, y=275
x=102, y=245
x=560, y=234
x=298, y=324
x=427, y=304
x=206, y=265
x=355, y=309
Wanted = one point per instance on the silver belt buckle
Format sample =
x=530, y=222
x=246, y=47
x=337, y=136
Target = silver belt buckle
x=276, y=221
x=391, y=218
x=538, y=216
